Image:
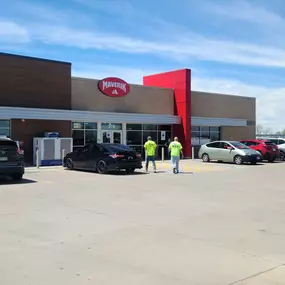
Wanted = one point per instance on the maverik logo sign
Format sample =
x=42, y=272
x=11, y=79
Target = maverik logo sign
x=114, y=87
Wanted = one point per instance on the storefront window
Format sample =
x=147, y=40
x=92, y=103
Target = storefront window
x=150, y=127
x=77, y=125
x=146, y=134
x=90, y=126
x=111, y=126
x=84, y=133
x=195, y=129
x=164, y=128
x=162, y=139
x=204, y=134
x=78, y=137
x=5, y=128
x=134, y=127
x=90, y=136
x=134, y=137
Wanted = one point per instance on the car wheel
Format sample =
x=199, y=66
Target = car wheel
x=130, y=170
x=69, y=163
x=238, y=160
x=271, y=160
x=17, y=176
x=282, y=156
x=101, y=167
x=205, y=157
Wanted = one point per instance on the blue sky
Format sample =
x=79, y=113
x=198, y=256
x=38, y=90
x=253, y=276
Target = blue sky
x=234, y=47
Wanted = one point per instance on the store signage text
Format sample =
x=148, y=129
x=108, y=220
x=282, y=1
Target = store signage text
x=114, y=87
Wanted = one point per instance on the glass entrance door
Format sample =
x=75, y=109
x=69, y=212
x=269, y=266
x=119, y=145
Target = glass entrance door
x=112, y=137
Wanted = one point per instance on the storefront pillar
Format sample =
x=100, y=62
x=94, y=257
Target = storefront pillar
x=180, y=82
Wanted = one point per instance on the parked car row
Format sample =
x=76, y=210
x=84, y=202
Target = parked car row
x=239, y=152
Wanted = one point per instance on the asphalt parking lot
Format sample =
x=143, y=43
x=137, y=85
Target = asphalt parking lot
x=211, y=224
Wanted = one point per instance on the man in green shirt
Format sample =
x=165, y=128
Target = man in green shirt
x=150, y=149
x=175, y=149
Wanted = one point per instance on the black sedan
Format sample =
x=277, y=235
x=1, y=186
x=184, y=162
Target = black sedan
x=104, y=158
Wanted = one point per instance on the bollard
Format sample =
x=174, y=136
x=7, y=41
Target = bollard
x=37, y=158
x=62, y=155
x=162, y=154
x=193, y=153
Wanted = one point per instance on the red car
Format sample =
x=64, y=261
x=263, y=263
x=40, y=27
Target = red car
x=268, y=150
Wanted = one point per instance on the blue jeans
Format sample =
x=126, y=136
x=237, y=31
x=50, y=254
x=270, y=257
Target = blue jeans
x=175, y=162
x=148, y=159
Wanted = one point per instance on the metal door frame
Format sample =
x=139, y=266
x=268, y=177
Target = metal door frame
x=112, y=135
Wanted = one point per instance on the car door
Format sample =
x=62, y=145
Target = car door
x=225, y=150
x=80, y=157
x=212, y=150
x=96, y=153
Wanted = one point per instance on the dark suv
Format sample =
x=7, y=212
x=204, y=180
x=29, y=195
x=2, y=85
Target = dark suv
x=11, y=159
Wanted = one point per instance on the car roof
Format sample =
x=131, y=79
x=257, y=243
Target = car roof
x=5, y=139
x=256, y=140
x=223, y=141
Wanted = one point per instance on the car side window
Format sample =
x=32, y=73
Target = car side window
x=213, y=145
x=224, y=145
x=246, y=143
x=97, y=149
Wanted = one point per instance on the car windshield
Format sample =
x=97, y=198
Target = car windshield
x=239, y=145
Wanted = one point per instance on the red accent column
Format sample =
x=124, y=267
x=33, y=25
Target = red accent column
x=180, y=81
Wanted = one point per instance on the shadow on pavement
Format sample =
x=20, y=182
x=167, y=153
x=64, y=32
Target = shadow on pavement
x=9, y=181
x=170, y=172
x=233, y=164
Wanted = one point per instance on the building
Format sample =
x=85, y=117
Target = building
x=39, y=95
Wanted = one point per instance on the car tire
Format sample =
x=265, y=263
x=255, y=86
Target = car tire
x=205, y=157
x=130, y=170
x=282, y=156
x=238, y=160
x=271, y=160
x=17, y=176
x=101, y=167
x=69, y=163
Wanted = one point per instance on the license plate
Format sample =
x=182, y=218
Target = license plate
x=3, y=158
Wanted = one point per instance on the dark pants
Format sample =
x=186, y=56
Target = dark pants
x=148, y=159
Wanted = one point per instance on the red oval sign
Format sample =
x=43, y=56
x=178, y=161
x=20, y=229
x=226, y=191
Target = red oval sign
x=114, y=87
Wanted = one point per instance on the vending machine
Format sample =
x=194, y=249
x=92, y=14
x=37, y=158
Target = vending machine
x=50, y=150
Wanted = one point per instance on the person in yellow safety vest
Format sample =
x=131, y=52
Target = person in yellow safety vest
x=150, y=149
x=175, y=149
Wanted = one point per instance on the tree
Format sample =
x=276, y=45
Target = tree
x=268, y=131
x=259, y=129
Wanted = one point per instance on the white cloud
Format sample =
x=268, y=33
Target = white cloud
x=11, y=32
x=180, y=45
x=248, y=12
x=269, y=101
x=189, y=46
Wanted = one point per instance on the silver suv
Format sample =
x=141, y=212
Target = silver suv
x=280, y=142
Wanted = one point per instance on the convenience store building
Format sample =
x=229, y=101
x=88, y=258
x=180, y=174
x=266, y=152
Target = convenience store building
x=39, y=96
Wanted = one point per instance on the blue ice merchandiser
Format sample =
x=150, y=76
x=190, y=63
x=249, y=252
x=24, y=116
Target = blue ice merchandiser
x=51, y=149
